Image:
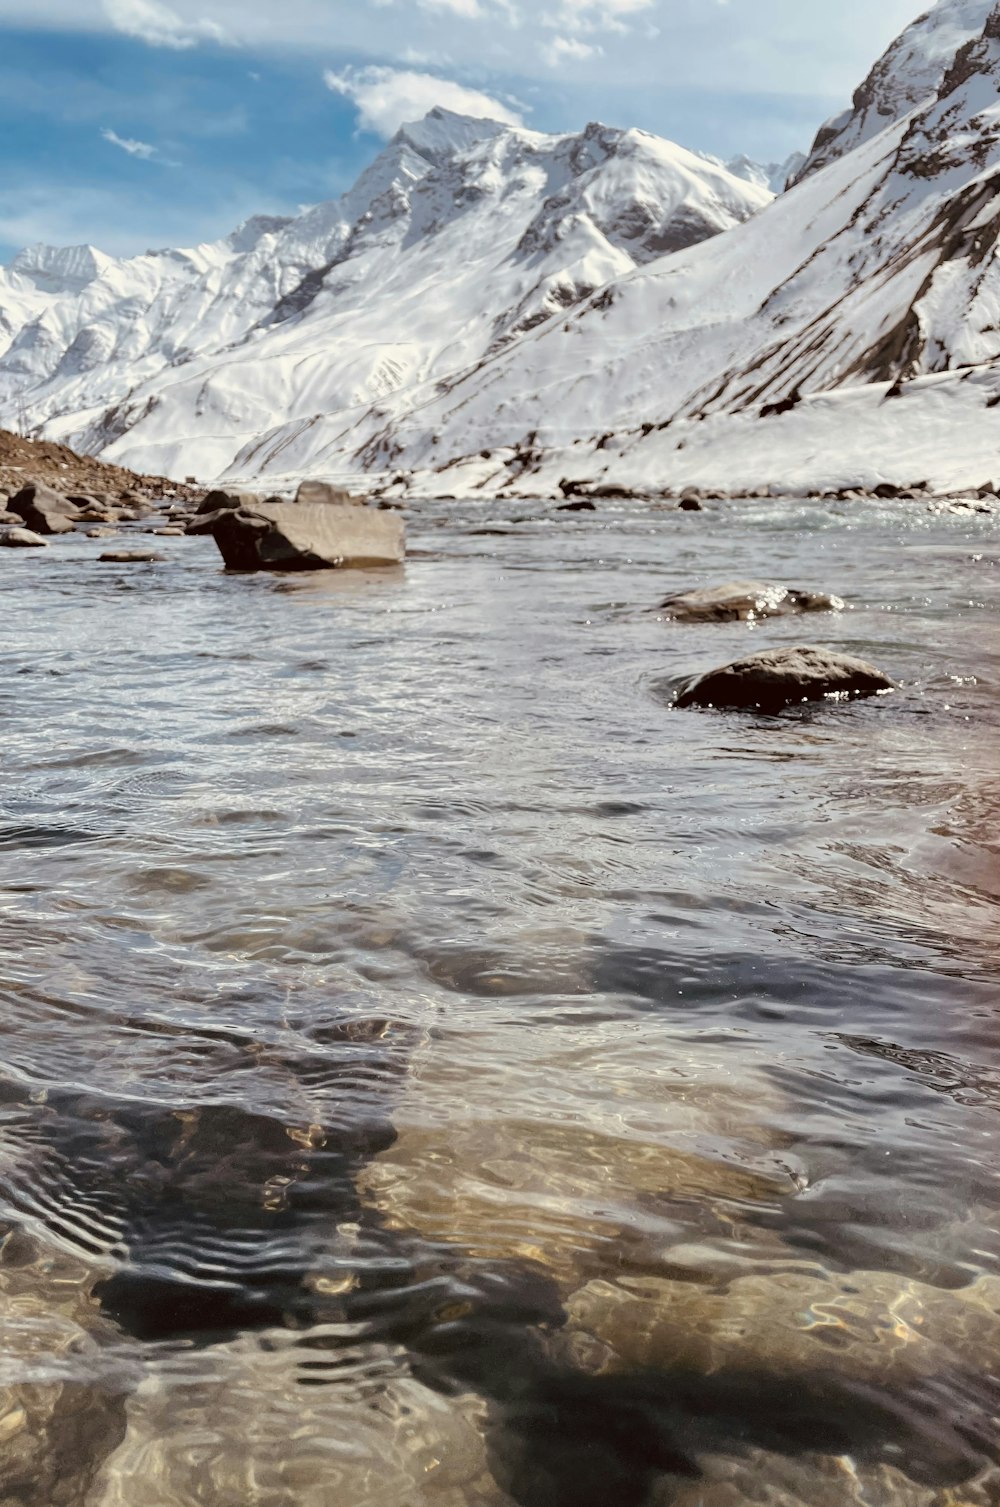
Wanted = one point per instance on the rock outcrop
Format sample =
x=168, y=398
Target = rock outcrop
x=778, y=678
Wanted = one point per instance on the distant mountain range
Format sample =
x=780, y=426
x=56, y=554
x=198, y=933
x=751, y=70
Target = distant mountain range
x=492, y=309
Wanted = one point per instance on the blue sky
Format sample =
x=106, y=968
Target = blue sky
x=137, y=123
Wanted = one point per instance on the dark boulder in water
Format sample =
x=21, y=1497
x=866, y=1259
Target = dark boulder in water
x=778, y=678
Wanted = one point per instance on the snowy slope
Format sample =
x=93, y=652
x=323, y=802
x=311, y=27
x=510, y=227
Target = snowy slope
x=462, y=236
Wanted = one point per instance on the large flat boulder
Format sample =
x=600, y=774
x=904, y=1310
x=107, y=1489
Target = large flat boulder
x=745, y=601
x=784, y=677
x=44, y=510
x=307, y=536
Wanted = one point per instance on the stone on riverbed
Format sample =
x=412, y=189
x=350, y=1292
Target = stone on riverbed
x=130, y=557
x=745, y=601
x=810, y=1365
x=44, y=510
x=784, y=677
x=873, y=1327
x=307, y=536
x=21, y=538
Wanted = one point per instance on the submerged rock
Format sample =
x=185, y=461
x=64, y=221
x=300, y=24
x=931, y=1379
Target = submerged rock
x=873, y=1327
x=130, y=557
x=784, y=677
x=21, y=538
x=473, y=1165
x=307, y=536
x=744, y=601
x=260, y=1426
x=806, y=1365
x=59, y=1417
x=44, y=510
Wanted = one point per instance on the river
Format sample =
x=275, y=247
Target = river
x=434, y=1072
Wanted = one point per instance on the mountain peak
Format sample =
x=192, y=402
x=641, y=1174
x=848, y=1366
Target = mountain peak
x=60, y=269
x=442, y=134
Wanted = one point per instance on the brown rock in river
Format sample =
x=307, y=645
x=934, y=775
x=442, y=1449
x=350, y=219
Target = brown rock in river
x=744, y=601
x=784, y=677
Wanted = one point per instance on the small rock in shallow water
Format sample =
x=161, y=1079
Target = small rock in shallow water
x=743, y=601
x=130, y=557
x=783, y=677
x=21, y=538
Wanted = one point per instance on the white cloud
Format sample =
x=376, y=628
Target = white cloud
x=597, y=15
x=153, y=22
x=570, y=50
x=141, y=149
x=471, y=9
x=387, y=98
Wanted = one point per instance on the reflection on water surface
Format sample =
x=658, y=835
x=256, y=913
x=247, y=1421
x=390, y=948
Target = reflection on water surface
x=434, y=1073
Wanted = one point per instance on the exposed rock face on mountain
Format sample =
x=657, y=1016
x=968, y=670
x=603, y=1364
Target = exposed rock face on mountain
x=905, y=76
x=463, y=235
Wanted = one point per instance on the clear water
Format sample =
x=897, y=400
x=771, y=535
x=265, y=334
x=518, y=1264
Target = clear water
x=434, y=1071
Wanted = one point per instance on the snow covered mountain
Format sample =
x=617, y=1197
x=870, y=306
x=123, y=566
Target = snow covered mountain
x=493, y=310
x=848, y=334
x=461, y=237
x=774, y=176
